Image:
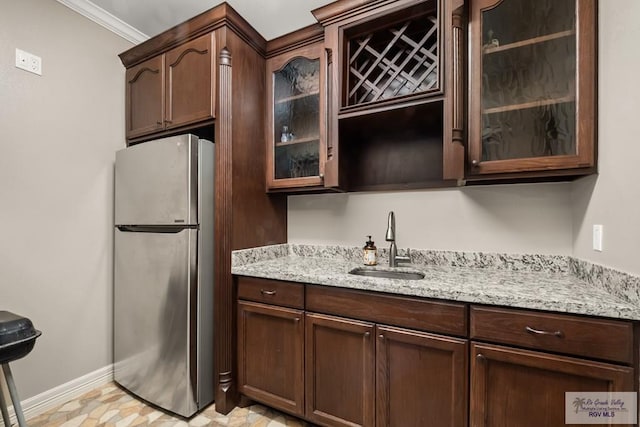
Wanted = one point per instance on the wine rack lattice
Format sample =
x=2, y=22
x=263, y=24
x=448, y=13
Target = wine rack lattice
x=394, y=61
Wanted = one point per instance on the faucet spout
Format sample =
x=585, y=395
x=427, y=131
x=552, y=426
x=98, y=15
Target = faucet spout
x=391, y=228
x=390, y=236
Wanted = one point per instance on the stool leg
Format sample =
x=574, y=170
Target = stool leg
x=5, y=411
x=14, y=395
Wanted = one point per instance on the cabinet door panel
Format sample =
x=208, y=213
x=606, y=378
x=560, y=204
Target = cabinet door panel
x=271, y=350
x=421, y=379
x=340, y=371
x=532, y=87
x=145, y=97
x=296, y=118
x=190, y=82
x=512, y=387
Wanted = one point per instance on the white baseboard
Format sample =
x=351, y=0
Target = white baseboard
x=42, y=402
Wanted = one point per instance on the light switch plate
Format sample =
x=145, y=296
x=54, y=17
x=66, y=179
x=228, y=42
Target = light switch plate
x=597, y=237
x=28, y=62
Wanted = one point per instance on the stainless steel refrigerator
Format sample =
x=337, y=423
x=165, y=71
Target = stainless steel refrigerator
x=163, y=272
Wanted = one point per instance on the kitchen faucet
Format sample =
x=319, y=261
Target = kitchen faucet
x=394, y=259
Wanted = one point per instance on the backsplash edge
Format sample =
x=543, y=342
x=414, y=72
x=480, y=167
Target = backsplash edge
x=617, y=283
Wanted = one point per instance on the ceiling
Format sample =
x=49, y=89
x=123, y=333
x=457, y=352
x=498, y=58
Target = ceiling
x=272, y=18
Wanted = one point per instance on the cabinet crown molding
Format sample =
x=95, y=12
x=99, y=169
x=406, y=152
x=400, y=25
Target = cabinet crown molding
x=303, y=37
x=344, y=9
x=222, y=15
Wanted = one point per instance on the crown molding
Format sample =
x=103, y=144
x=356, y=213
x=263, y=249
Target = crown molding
x=105, y=19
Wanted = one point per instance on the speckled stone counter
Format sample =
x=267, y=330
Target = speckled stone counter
x=524, y=281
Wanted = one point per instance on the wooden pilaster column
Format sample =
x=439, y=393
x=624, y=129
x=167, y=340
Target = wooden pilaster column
x=224, y=303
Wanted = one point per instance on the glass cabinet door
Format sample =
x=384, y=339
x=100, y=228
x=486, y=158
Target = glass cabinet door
x=528, y=72
x=295, y=137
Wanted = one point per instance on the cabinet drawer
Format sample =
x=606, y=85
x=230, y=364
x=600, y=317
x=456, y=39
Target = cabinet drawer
x=287, y=294
x=594, y=338
x=415, y=313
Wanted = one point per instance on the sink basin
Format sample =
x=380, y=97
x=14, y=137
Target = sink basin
x=388, y=274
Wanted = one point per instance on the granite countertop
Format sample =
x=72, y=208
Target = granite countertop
x=530, y=282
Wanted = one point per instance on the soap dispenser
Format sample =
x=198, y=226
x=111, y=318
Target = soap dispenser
x=370, y=253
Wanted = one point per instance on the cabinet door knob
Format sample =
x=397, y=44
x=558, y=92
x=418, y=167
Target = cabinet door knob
x=480, y=357
x=381, y=336
x=266, y=292
x=297, y=319
x=168, y=122
x=159, y=123
x=531, y=330
x=367, y=334
x=474, y=163
x=321, y=176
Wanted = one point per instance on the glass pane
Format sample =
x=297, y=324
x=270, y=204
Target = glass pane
x=296, y=115
x=297, y=119
x=517, y=20
x=297, y=160
x=547, y=130
x=529, y=79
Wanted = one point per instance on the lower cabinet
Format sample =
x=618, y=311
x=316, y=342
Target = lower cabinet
x=526, y=386
x=339, y=357
x=513, y=387
x=271, y=355
x=336, y=371
x=361, y=374
x=421, y=379
x=340, y=381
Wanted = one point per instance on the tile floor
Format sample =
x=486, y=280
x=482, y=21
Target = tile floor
x=111, y=406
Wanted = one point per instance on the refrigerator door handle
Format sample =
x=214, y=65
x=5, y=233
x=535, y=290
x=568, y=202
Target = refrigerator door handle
x=156, y=228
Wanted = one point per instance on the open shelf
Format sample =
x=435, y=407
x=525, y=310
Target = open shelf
x=393, y=149
x=532, y=104
x=535, y=40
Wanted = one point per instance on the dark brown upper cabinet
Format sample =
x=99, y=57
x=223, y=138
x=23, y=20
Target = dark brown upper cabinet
x=145, y=97
x=172, y=90
x=532, y=109
x=396, y=109
x=296, y=111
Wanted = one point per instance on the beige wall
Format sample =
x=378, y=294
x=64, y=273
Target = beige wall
x=613, y=198
x=524, y=218
x=58, y=136
x=505, y=218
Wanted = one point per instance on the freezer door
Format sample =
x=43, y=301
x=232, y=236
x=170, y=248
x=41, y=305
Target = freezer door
x=156, y=182
x=155, y=317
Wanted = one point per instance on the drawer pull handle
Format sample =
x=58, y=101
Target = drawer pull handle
x=539, y=332
x=266, y=292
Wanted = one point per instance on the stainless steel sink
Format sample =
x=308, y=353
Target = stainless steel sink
x=388, y=274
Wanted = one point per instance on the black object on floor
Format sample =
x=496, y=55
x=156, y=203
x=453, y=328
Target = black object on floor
x=17, y=338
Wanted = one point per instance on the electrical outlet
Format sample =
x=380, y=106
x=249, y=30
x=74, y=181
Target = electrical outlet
x=597, y=237
x=28, y=62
